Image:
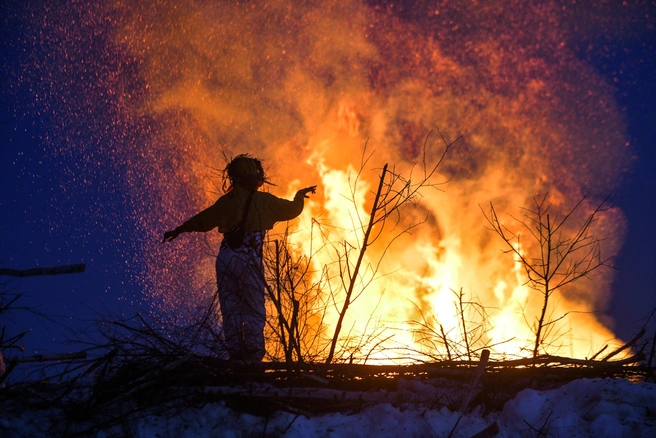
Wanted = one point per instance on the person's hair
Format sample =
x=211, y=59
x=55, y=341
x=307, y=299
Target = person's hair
x=245, y=171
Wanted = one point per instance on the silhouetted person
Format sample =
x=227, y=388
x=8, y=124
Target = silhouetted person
x=239, y=268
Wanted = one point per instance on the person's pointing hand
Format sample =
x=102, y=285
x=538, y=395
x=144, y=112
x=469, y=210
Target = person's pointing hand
x=304, y=192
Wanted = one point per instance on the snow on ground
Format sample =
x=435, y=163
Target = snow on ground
x=583, y=408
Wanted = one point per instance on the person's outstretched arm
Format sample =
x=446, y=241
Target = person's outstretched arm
x=170, y=235
x=202, y=222
x=283, y=210
x=304, y=192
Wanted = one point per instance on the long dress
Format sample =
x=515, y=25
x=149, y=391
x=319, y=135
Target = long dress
x=240, y=272
x=241, y=287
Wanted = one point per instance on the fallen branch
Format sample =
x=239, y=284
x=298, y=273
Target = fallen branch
x=62, y=357
x=11, y=363
x=625, y=346
x=48, y=270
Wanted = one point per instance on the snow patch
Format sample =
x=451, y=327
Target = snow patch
x=596, y=408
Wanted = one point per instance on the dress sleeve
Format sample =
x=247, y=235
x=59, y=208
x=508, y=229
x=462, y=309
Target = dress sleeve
x=206, y=220
x=283, y=209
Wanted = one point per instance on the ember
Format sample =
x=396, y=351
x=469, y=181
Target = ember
x=307, y=85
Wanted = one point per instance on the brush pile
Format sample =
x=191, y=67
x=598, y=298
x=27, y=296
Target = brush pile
x=143, y=371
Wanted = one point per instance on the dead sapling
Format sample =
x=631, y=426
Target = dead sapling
x=558, y=251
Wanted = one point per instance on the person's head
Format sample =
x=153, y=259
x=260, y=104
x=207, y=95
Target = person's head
x=245, y=171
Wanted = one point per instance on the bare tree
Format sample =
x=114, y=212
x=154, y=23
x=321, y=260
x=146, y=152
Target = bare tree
x=393, y=193
x=298, y=298
x=560, y=251
x=302, y=291
x=469, y=338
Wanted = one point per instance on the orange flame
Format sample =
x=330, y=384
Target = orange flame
x=305, y=86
